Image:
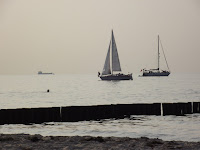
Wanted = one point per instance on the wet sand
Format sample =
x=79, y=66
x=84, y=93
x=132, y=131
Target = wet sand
x=33, y=142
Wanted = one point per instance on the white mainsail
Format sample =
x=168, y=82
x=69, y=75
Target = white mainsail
x=115, y=58
x=106, y=68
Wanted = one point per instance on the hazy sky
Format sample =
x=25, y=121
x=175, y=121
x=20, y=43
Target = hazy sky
x=72, y=36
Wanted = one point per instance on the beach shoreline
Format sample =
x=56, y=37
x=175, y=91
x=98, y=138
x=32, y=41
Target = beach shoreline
x=32, y=142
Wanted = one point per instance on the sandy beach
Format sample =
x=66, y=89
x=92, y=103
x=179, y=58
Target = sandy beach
x=32, y=142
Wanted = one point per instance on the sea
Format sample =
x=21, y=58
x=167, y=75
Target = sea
x=30, y=91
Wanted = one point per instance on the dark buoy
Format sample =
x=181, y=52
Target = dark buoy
x=48, y=90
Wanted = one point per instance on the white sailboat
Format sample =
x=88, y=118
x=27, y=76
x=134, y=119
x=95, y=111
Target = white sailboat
x=157, y=71
x=112, y=64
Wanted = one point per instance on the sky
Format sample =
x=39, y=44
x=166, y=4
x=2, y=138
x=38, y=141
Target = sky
x=72, y=36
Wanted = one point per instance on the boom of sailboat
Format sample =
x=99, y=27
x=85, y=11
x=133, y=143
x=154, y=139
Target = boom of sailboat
x=112, y=68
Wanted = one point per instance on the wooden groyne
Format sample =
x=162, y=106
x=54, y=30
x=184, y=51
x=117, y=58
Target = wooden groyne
x=96, y=112
x=80, y=113
x=177, y=109
x=27, y=116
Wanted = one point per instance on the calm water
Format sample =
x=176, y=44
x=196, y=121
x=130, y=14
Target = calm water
x=71, y=90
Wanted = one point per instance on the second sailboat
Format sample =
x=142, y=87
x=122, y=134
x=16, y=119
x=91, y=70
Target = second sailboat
x=157, y=71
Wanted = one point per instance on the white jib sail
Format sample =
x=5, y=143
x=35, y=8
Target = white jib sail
x=115, y=58
x=106, y=68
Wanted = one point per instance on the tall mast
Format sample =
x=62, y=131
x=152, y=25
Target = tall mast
x=158, y=53
x=111, y=51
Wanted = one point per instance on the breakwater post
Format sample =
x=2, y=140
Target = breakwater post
x=196, y=107
x=178, y=109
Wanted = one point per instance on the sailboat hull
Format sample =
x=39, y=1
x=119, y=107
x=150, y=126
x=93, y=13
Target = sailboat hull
x=156, y=74
x=117, y=77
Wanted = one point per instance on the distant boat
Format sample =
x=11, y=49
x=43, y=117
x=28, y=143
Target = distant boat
x=157, y=71
x=42, y=73
x=112, y=64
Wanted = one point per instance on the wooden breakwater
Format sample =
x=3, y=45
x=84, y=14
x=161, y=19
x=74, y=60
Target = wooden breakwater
x=97, y=112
